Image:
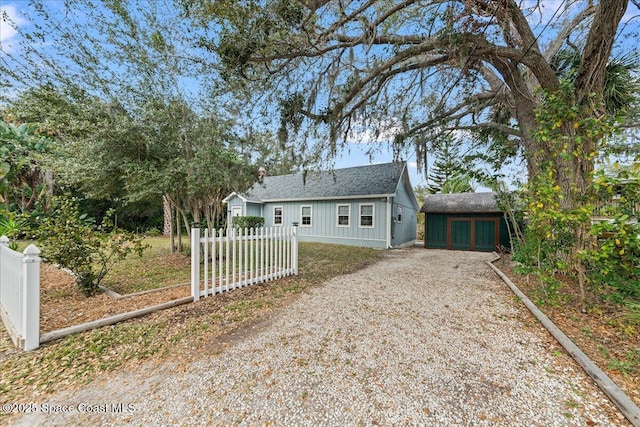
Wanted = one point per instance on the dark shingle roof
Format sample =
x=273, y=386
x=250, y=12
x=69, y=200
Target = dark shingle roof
x=381, y=179
x=460, y=203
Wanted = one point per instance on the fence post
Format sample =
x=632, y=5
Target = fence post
x=294, y=248
x=4, y=242
x=195, y=261
x=31, y=297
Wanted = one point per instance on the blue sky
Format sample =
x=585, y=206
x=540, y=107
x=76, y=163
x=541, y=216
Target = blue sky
x=355, y=154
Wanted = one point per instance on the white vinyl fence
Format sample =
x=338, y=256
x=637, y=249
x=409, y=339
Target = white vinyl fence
x=234, y=258
x=20, y=294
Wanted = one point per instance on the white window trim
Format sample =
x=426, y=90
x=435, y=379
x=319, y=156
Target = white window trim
x=399, y=214
x=373, y=215
x=281, y=216
x=235, y=209
x=310, y=216
x=338, y=216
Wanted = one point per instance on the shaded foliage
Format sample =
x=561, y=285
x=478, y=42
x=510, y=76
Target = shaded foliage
x=74, y=241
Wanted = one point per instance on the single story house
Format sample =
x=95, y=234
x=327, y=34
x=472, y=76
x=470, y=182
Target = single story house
x=464, y=221
x=370, y=206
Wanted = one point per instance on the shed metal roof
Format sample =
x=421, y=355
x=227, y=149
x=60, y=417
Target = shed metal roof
x=460, y=203
x=366, y=181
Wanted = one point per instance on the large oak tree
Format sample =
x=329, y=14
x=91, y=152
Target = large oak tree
x=427, y=67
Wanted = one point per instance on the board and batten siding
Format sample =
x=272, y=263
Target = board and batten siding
x=235, y=202
x=324, y=222
x=437, y=229
x=253, y=209
x=248, y=208
x=403, y=232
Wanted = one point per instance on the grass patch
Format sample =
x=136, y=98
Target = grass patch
x=320, y=262
x=159, y=268
x=627, y=365
x=156, y=268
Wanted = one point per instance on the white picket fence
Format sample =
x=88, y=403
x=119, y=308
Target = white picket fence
x=235, y=258
x=20, y=294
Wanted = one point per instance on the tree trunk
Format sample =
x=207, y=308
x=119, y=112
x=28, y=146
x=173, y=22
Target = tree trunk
x=187, y=226
x=168, y=217
x=167, y=207
x=179, y=230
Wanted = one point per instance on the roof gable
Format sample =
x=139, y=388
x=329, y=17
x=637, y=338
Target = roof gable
x=361, y=181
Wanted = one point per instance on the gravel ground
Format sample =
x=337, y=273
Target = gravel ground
x=420, y=338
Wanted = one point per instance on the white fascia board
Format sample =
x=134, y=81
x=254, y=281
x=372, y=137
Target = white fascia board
x=389, y=218
x=310, y=199
x=231, y=196
x=240, y=196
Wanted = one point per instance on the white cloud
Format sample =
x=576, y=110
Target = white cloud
x=9, y=19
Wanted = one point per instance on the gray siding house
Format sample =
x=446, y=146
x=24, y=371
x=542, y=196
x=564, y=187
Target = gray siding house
x=371, y=206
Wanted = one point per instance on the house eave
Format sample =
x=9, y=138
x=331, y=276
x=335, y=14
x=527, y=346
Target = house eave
x=240, y=196
x=310, y=199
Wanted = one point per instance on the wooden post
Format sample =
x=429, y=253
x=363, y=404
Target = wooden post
x=195, y=261
x=31, y=298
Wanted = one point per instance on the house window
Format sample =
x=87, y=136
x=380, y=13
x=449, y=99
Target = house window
x=366, y=216
x=344, y=215
x=277, y=215
x=236, y=211
x=399, y=214
x=305, y=216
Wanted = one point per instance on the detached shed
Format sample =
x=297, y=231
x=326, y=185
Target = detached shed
x=465, y=221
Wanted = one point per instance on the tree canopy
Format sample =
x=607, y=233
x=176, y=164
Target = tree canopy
x=21, y=174
x=138, y=114
x=424, y=67
x=447, y=163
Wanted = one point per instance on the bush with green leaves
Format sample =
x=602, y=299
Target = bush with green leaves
x=558, y=199
x=74, y=241
x=247, y=221
x=614, y=258
x=549, y=235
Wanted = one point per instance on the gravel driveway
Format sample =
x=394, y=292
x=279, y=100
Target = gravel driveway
x=420, y=338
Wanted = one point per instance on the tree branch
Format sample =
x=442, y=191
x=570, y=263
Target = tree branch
x=591, y=72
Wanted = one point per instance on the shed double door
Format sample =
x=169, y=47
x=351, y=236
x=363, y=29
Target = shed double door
x=472, y=234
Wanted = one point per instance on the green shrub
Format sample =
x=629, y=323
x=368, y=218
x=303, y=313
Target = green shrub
x=9, y=226
x=74, y=241
x=614, y=258
x=153, y=232
x=247, y=221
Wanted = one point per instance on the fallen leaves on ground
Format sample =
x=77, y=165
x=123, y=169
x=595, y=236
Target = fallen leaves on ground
x=600, y=331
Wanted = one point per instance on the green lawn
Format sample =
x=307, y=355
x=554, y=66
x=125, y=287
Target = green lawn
x=158, y=267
